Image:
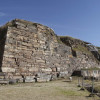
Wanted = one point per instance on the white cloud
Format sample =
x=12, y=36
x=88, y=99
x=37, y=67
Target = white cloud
x=2, y=14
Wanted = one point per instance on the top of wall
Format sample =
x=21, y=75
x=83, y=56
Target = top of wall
x=76, y=44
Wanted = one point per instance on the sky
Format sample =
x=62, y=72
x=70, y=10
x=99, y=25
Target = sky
x=76, y=18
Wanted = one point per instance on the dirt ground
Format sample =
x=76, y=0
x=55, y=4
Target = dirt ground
x=54, y=90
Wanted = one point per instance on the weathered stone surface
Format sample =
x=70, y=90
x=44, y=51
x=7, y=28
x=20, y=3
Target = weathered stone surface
x=28, y=49
x=29, y=79
x=33, y=69
x=7, y=69
x=42, y=77
x=46, y=70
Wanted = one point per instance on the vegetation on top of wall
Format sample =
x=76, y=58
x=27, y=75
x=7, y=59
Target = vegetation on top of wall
x=68, y=38
x=3, y=27
x=49, y=32
x=82, y=49
x=24, y=22
x=59, y=40
x=85, y=50
x=75, y=44
x=98, y=49
x=78, y=45
x=13, y=23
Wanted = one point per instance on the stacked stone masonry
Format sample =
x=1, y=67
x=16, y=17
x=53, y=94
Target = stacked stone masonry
x=33, y=49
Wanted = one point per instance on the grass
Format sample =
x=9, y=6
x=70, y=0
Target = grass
x=55, y=90
x=97, y=88
x=79, y=46
x=64, y=37
x=71, y=92
x=48, y=31
x=59, y=40
x=12, y=23
x=82, y=49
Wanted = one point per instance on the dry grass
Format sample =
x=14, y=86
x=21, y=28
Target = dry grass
x=55, y=90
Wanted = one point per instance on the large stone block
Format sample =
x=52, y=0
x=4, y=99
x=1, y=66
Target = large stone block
x=33, y=69
x=46, y=70
x=7, y=69
x=63, y=74
x=40, y=61
x=29, y=79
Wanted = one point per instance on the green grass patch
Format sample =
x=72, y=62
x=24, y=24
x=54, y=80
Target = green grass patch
x=82, y=49
x=79, y=45
x=73, y=92
x=62, y=37
x=97, y=88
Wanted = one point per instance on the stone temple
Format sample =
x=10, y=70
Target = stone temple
x=28, y=49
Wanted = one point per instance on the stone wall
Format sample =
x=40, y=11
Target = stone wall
x=2, y=44
x=33, y=49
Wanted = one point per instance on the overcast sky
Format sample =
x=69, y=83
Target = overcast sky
x=76, y=18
